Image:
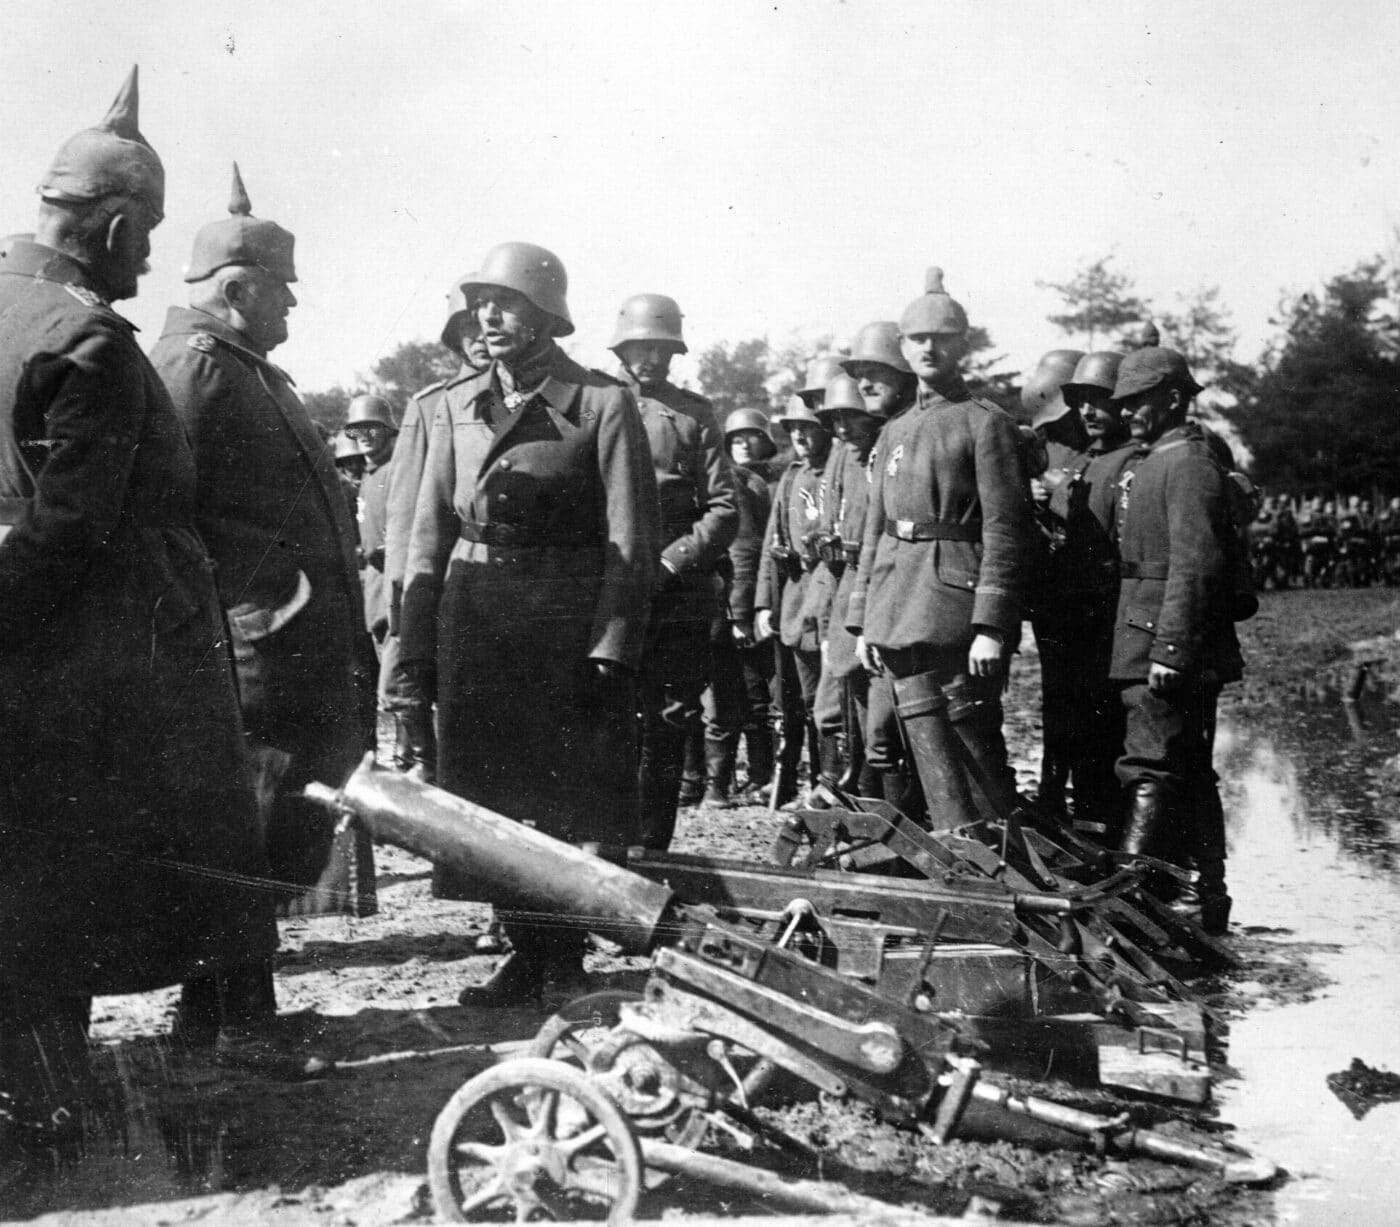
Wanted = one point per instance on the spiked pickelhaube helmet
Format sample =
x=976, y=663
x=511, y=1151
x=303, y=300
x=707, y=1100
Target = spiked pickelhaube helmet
x=531, y=271
x=1042, y=398
x=754, y=420
x=242, y=239
x=649, y=317
x=934, y=311
x=111, y=159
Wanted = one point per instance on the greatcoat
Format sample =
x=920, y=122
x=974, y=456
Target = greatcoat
x=534, y=551
x=131, y=851
x=284, y=543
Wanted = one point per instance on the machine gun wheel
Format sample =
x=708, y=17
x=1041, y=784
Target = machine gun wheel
x=664, y=1089
x=538, y=1139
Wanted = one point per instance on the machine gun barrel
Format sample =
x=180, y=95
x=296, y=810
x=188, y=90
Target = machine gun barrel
x=499, y=860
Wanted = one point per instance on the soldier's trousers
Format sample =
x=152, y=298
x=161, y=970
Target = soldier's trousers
x=1169, y=741
x=841, y=710
x=796, y=674
x=675, y=672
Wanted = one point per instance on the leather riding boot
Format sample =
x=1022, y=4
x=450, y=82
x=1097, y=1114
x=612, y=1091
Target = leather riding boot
x=923, y=713
x=719, y=768
x=759, y=743
x=829, y=770
x=1147, y=831
x=976, y=720
x=789, y=763
x=693, y=767
x=659, y=785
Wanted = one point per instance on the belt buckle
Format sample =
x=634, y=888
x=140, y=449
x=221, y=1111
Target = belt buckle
x=904, y=530
x=506, y=534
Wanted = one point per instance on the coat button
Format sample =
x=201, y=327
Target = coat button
x=503, y=498
x=505, y=464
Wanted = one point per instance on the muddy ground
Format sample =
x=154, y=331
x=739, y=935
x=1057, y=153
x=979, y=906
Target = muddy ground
x=380, y=996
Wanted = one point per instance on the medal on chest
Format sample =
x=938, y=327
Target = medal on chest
x=892, y=465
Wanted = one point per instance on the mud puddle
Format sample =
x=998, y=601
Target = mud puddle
x=1315, y=868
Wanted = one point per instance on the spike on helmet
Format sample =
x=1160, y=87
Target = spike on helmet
x=111, y=159
x=751, y=419
x=367, y=409
x=820, y=372
x=530, y=270
x=1042, y=398
x=459, y=313
x=1146, y=337
x=877, y=343
x=934, y=311
x=649, y=317
x=242, y=239
x=799, y=412
x=1096, y=370
x=843, y=393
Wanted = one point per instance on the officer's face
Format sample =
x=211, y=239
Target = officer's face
x=129, y=250
x=1100, y=413
x=859, y=430
x=648, y=362
x=745, y=446
x=1152, y=413
x=510, y=323
x=809, y=442
x=475, y=351
x=881, y=387
x=373, y=439
x=262, y=301
x=933, y=356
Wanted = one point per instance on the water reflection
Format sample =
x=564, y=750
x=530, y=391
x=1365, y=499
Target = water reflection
x=1322, y=769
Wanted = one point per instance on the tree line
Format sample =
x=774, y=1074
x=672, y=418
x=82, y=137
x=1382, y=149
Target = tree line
x=1318, y=411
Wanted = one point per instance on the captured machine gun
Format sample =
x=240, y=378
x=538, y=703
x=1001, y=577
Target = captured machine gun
x=848, y=983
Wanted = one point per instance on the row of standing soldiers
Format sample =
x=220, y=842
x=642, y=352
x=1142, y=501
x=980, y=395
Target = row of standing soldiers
x=1324, y=543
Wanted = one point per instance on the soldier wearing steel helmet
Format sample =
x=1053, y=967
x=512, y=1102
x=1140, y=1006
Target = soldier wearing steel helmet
x=530, y=572
x=842, y=691
x=944, y=555
x=1174, y=642
x=785, y=568
x=741, y=669
x=130, y=822
x=415, y=742
x=350, y=464
x=699, y=517
x=369, y=424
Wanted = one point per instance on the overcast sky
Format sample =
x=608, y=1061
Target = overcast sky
x=775, y=167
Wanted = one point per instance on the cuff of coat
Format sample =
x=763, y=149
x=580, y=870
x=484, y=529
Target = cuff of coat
x=1173, y=653
x=680, y=556
x=997, y=608
x=254, y=622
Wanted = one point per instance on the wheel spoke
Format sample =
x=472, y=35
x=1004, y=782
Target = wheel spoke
x=481, y=1152
x=484, y=1196
x=596, y=1176
x=569, y=1147
x=542, y=1109
x=510, y=1127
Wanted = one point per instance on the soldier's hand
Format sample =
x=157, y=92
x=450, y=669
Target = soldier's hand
x=763, y=625
x=743, y=634
x=1161, y=679
x=869, y=656
x=985, y=657
x=1040, y=492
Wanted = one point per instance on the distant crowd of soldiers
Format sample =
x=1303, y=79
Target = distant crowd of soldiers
x=575, y=594
x=1325, y=543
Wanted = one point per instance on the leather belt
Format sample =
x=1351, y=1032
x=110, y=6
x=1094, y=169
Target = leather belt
x=515, y=536
x=934, y=530
x=1142, y=570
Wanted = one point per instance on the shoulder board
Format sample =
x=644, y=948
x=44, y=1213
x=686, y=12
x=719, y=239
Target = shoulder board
x=201, y=341
x=611, y=381
x=989, y=405
x=89, y=298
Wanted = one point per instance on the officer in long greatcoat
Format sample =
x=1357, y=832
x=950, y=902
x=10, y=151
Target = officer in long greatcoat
x=699, y=517
x=131, y=855
x=415, y=747
x=947, y=531
x=1174, y=642
x=530, y=572
x=283, y=541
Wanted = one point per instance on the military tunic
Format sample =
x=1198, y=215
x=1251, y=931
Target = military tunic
x=372, y=515
x=123, y=782
x=271, y=510
x=534, y=550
